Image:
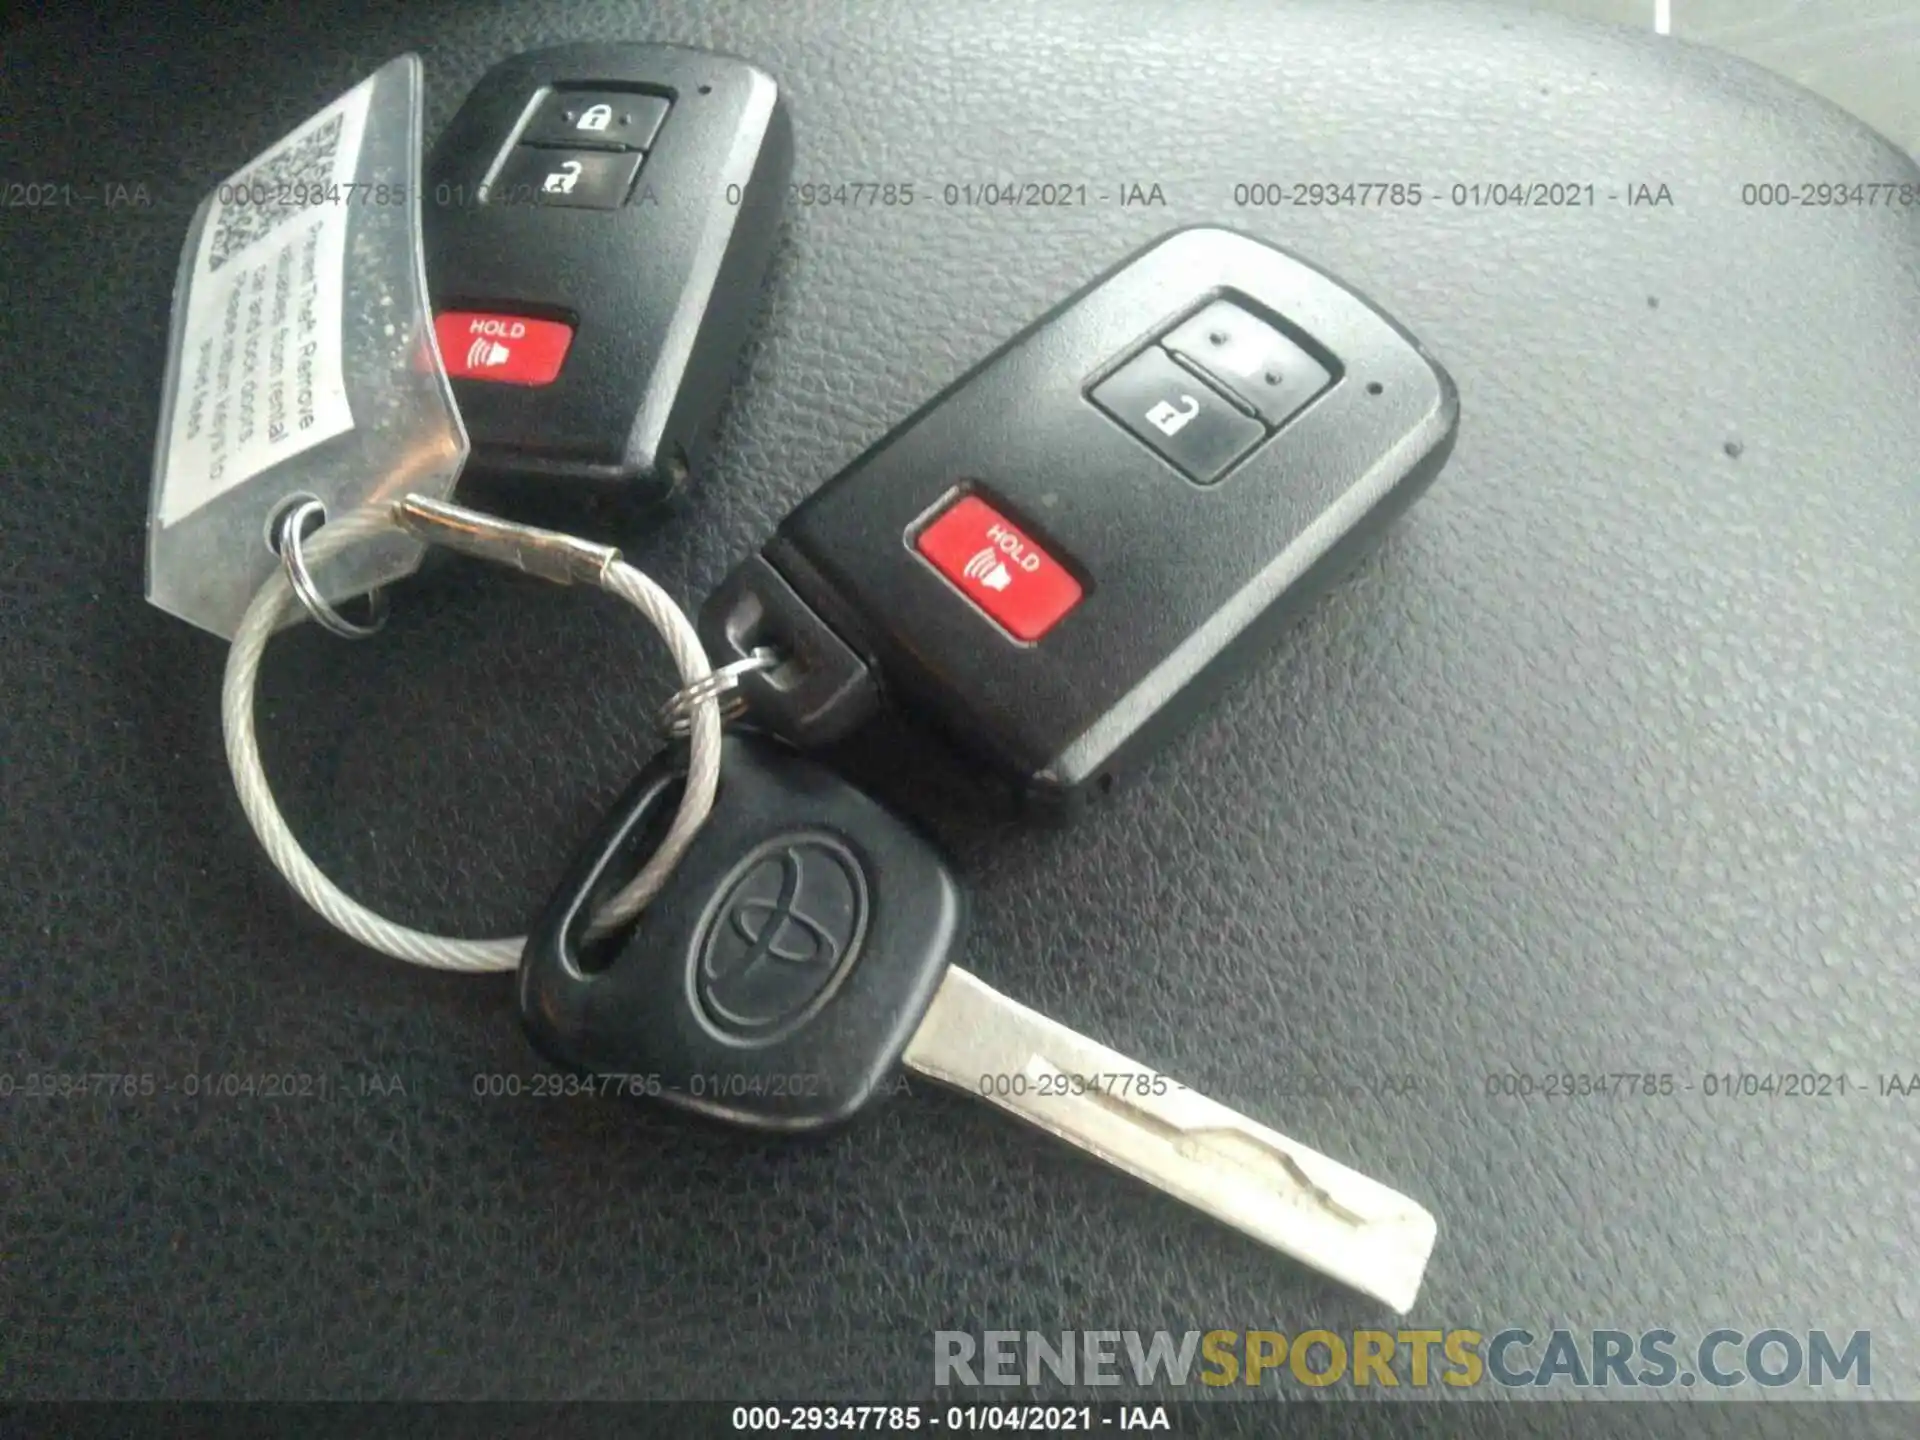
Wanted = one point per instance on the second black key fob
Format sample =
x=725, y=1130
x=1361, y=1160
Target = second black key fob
x=1057, y=559
x=598, y=221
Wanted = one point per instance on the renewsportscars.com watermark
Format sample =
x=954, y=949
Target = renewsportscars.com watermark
x=1509, y=1359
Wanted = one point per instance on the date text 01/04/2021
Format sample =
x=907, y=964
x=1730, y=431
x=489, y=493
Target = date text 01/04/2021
x=911, y=1419
x=1712, y=1085
x=704, y=1085
x=198, y=1085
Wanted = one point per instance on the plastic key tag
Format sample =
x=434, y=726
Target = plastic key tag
x=302, y=362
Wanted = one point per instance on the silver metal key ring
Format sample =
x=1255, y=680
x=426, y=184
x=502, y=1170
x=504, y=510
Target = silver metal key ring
x=723, y=684
x=289, y=538
x=563, y=559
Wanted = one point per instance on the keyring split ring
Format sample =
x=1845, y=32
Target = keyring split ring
x=289, y=538
x=722, y=684
x=564, y=559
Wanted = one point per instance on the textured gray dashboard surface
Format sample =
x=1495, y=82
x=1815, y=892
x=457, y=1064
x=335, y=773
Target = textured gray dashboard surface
x=1605, y=762
x=1864, y=54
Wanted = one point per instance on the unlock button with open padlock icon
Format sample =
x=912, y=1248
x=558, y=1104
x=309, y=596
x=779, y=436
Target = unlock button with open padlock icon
x=1193, y=426
x=574, y=179
x=1169, y=418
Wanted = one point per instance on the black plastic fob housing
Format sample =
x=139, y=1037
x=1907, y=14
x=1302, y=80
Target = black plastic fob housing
x=1059, y=558
x=629, y=193
x=775, y=981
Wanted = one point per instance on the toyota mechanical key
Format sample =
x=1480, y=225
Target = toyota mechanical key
x=801, y=953
x=598, y=222
x=1060, y=557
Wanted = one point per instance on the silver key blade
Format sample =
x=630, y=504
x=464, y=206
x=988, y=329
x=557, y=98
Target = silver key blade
x=1277, y=1190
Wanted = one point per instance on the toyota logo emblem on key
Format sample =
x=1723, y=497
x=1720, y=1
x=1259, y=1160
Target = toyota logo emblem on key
x=788, y=924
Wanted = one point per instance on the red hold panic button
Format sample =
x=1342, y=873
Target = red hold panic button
x=509, y=349
x=999, y=568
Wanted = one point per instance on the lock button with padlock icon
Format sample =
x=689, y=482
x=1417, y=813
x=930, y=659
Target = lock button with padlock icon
x=597, y=120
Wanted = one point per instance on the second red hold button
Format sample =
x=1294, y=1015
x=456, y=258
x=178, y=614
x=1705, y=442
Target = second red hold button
x=508, y=349
x=1000, y=568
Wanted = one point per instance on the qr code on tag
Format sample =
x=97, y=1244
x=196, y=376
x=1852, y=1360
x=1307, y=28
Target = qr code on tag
x=279, y=188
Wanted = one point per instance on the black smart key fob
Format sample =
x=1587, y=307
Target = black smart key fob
x=1059, y=558
x=598, y=222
